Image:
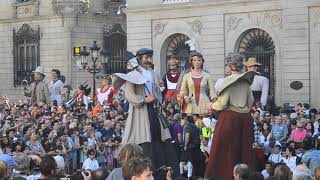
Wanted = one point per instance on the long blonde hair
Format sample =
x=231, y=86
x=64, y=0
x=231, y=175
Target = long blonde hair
x=4, y=170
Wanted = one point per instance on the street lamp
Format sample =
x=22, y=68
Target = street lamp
x=94, y=69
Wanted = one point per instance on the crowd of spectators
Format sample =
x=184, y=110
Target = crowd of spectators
x=40, y=141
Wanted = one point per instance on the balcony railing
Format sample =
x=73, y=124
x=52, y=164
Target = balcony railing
x=175, y=1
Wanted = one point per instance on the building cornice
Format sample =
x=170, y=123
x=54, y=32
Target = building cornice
x=35, y=18
x=189, y=5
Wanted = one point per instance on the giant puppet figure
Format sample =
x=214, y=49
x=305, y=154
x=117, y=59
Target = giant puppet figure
x=233, y=138
x=56, y=87
x=143, y=125
x=39, y=91
x=170, y=79
x=105, y=93
x=197, y=87
x=260, y=85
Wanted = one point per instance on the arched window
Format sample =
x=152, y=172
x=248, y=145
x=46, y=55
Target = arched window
x=178, y=48
x=26, y=45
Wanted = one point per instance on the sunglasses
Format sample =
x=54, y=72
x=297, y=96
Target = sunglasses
x=92, y=154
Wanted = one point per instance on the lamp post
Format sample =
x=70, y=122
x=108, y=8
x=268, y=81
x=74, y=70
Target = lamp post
x=94, y=68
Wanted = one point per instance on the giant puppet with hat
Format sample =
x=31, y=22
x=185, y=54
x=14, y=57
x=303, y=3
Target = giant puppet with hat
x=145, y=125
x=260, y=85
x=38, y=90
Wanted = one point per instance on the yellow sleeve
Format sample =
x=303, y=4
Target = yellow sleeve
x=211, y=87
x=222, y=101
x=184, y=84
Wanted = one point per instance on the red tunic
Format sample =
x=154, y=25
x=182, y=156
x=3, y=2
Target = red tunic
x=235, y=146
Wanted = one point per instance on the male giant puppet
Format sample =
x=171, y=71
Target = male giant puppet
x=170, y=79
x=143, y=125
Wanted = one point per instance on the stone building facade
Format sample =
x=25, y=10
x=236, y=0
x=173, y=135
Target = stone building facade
x=282, y=34
x=44, y=32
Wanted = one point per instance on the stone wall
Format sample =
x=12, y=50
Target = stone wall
x=52, y=50
x=216, y=28
x=61, y=28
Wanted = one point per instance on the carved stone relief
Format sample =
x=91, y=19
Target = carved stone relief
x=315, y=18
x=232, y=23
x=271, y=19
x=196, y=26
x=159, y=28
x=26, y=9
x=62, y=7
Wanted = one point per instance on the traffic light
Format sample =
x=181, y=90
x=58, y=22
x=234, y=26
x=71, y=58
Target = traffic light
x=76, y=51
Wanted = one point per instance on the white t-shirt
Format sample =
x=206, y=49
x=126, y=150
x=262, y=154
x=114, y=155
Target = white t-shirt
x=291, y=162
x=89, y=164
x=265, y=174
x=275, y=158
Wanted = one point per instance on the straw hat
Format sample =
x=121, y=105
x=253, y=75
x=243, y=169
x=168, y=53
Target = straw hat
x=252, y=61
x=40, y=69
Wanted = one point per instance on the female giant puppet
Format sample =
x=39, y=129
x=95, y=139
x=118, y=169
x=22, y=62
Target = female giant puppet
x=233, y=138
x=197, y=88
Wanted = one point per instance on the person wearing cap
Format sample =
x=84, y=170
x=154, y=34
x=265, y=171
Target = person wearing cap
x=56, y=87
x=233, y=137
x=260, y=85
x=194, y=86
x=170, y=79
x=39, y=91
x=143, y=125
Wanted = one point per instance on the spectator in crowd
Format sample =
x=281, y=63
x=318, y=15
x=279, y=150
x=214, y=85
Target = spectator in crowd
x=176, y=133
x=241, y=172
x=269, y=146
x=282, y=172
x=290, y=159
x=101, y=174
x=127, y=152
x=191, y=145
x=33, y=146
x=276, y=156
x=90, y=163
x=4, y=170
x=317, y=173
x=137, y=169
x=268, y=171
x=310, y=128
x=264, y=133
x=298, y=134
x=256, y=176
x=279, y=131
x=47, y=165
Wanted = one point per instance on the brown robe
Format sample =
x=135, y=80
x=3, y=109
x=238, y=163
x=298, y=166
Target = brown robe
x=41, y=93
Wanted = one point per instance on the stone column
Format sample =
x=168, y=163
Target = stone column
x=69, y=10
